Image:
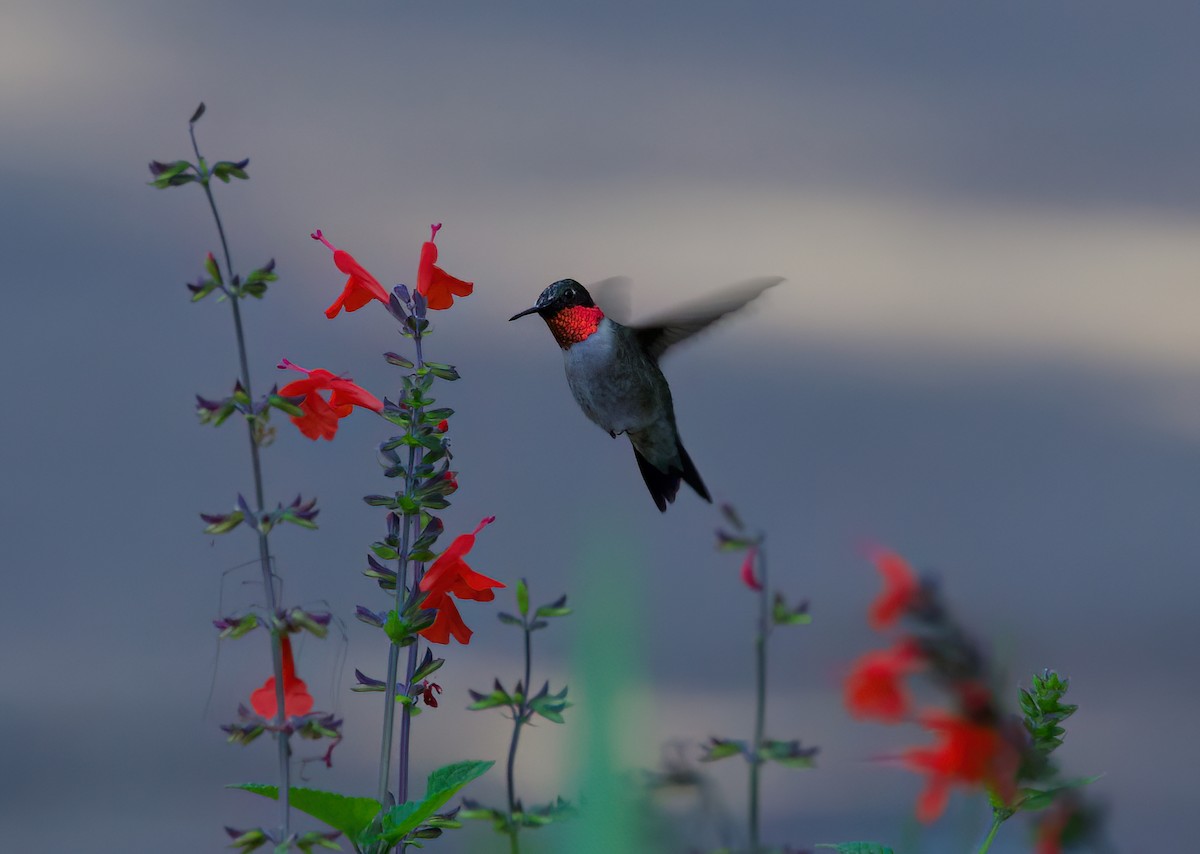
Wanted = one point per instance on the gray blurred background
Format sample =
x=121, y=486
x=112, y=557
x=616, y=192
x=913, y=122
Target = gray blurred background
x=984, y=356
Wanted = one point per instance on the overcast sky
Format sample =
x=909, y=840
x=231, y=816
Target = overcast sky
x=985, y=355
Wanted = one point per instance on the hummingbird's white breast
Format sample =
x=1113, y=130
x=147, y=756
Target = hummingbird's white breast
x=615, y=384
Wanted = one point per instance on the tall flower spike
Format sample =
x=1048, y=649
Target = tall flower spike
x=320, y=418
x=360, y=288
x=437, y=286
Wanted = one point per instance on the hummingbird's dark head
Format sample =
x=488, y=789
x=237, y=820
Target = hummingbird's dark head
x=565, y=293
x=568, y=310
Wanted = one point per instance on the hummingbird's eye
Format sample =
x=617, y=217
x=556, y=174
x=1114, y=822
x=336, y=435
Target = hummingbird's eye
x=570, y=293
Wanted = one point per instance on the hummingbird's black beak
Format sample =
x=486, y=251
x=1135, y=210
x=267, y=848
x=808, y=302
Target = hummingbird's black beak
x=523, y=313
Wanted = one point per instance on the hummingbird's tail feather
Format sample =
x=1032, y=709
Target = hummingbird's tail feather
x=664, y=485
x=690, y=476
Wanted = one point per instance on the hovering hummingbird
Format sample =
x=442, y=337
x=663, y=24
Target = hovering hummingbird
x=613, y=373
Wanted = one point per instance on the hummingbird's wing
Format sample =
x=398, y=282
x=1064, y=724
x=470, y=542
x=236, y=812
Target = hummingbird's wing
x=612, y=296
x=665, y=332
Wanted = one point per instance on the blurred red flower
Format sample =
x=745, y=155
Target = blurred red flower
x=437, y=286
x=320, y=418
x=450, y=576
x=748, y=576
x=875, y=686
x=900, y=589
x=296, y=699
x=360, y=288
x=967, y=754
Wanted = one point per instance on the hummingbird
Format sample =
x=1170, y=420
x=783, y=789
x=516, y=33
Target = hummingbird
x=612, y=370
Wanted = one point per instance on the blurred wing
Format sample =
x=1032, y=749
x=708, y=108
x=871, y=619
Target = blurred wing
x=660, y=335
x=613, y=297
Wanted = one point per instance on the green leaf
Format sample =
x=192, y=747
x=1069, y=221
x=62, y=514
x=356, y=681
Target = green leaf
x=722, y=748
x=523, y=597
x=498, y=697
x=550, y=706
x=285, y=405
x=227, y=524
x=398, y=630
x=351, y=816
x=398, y=360
x=1036, y=799
x=784, y=615
x=442, y=785
x=557, y=608
x=384, y=552
x=788, y=753
x=856, y=847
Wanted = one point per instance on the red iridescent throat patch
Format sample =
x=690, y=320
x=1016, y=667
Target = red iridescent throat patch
x=574, y=324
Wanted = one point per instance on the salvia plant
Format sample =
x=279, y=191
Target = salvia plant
x=282, y=706
x=420, y=605
x=978, y=743
x=522, y=705
x=773, y=610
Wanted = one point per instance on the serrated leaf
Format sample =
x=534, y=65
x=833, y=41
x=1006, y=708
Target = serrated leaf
x=441, y=786
x=351, y=816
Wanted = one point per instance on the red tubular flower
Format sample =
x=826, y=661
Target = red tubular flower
x=450, y=576
x=875, y=687
x=296, y=699
x=968, y=754
x=360, y=288
x=320, y=418
x=437, y=286
x=900, y=589
x=748, y=576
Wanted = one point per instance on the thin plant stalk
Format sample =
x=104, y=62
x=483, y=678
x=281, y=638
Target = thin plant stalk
x=264, y=551
x=987, y=842
x=393, y=668
x=760, y=697
x=522, y=714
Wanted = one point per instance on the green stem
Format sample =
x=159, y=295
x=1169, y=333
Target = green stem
x=987, y=842
x=264, y=551
x=393, y=668
x=760, y=701
x=519, y=717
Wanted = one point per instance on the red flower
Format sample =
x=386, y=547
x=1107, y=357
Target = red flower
x=748, y=576
x=875, y=687
x=296, y=699
x=360, y=288
x=450, y=576
x=442, y=426
x=968, y=754
x=437, y=286
x=320, y=418
x=451, y=477
x=427, y=693
x=900, y=589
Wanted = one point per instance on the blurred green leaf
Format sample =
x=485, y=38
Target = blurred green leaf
x=523, y=597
